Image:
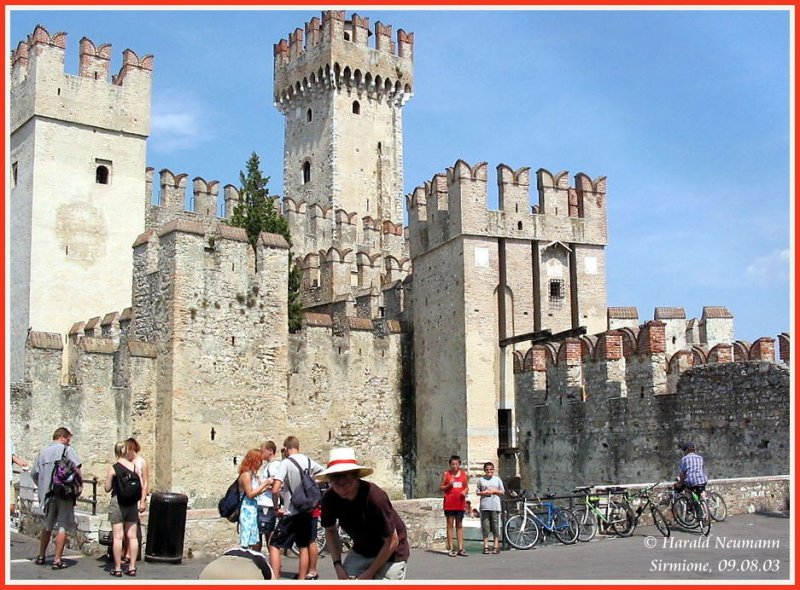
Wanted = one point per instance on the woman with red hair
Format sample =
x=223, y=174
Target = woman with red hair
x=249, y=485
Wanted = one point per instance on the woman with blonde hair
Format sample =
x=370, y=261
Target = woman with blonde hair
x=122, y=511
x=250, y=486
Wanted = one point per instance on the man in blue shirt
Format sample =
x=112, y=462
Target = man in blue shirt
x=59, y=513
x=692, y=471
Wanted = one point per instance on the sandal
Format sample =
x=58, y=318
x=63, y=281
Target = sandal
x=116, y=573
x=314, y=576
x=131, y=572
x=463, y=553
x=495, y=551
x=39, y=560
x=486, y=551
x=452, y=553
x=59, y=565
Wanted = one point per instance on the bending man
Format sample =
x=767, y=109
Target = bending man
x=363, y=510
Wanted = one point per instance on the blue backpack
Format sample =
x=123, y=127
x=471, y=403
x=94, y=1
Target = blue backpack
x=231, y=502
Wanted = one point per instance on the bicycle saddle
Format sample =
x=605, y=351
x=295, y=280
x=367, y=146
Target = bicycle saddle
x=581, y=490
x=549, y=496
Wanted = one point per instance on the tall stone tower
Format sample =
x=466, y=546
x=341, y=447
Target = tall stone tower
x=343, y=100
x=77, y=183
x=481, y=277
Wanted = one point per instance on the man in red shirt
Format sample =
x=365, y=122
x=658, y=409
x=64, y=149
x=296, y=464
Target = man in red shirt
x=454, y=486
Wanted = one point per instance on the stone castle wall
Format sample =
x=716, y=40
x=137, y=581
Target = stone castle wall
x=607, y=415
x=198, y=368
x=344, y=383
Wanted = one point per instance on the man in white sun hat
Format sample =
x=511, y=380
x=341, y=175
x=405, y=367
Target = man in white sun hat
x=380, y=546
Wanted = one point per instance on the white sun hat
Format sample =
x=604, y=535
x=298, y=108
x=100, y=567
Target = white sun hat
x=342, y=460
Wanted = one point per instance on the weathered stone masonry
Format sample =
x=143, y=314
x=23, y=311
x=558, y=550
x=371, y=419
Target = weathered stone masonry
x=599, y=415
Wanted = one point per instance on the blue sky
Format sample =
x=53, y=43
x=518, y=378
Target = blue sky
x=685, y=112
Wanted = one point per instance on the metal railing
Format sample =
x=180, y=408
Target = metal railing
x=93, y=500
x=32, y=488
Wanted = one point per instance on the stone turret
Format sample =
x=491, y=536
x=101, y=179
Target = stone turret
x=342, y=99
x=78, y=188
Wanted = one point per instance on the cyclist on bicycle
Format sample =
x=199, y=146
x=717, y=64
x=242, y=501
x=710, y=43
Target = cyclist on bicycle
x=691, y=472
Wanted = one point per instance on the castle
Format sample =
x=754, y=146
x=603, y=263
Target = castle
x=458, y=334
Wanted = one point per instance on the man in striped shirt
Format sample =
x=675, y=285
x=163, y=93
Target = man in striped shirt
x=692, y=471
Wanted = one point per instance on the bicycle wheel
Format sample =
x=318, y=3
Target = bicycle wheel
x=659, y=520
x=703, y=517
x=684, y=514
x=587, y=523
x=565, y=526
x=622, y=519
x=521, y=532
x=717, y=508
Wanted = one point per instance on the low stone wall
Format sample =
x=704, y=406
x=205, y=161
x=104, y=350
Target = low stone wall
x=208, y=534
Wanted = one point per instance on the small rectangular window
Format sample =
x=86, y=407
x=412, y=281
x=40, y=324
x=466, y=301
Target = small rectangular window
x=556, y=289
x=504, y=429
x=102, y=171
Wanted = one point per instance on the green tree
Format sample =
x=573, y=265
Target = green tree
x=256, y=212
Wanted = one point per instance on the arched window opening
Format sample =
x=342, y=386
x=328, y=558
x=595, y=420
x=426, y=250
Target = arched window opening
x=101, y=175
x=347, y=36
x=308, y=115
x=356, y=108
x=306, y=172
x=519, y=225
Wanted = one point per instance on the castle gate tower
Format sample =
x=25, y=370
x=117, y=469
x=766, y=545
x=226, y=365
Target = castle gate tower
x=77, y=183
x=343, y=100
x=482, y=277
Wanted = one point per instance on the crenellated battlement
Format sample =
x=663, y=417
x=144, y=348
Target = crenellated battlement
x=625, y=360
x=714, y=326
x=343, y=256
x=314, y=227
x=455, y=202
x=334, y=52
x=40, y=86
x=172, y=197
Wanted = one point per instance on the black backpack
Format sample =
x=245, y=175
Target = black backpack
x=231, y=502
x=66, y=481
x=127, y=485
x=307, y=495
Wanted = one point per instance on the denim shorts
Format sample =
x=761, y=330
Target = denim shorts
x=266, y=519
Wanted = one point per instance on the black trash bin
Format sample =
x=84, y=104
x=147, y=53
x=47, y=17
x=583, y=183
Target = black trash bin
x=166, y=527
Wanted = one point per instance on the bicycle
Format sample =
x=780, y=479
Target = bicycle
x=691, y=511
x=717, y=508
x=522, y=531
x=643, y=500
x=614, y=515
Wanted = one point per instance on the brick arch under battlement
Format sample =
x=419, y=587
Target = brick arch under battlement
x=340, y=76
x=595, y=348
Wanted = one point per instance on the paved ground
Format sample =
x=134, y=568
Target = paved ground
x=746, y=548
